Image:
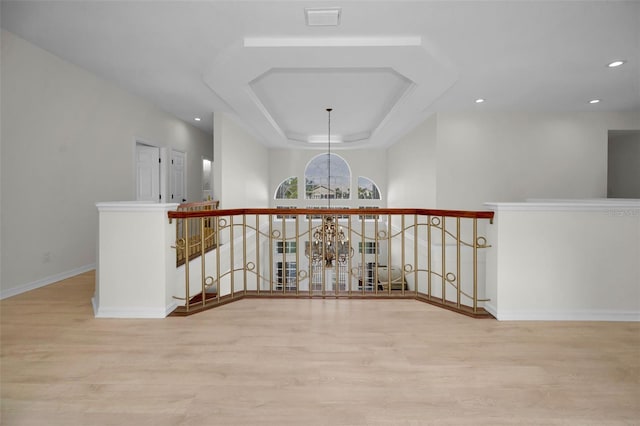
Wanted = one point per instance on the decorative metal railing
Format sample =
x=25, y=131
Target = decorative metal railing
x=191, y=231
x=434, y=256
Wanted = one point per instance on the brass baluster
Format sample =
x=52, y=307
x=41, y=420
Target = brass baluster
x=244, y=253
x=415, y=254
x=475, y=265
x=389, y=254
x=258, y=277
x=231, y=257
x=297, y=255
x=203, y=275
x=429, y=224
x=458, y=280
x=444, y=256
x=186, y=264
x=218, y=284
x=270, y=254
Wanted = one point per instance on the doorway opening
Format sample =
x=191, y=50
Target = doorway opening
x=207, y=179
x=623, y=164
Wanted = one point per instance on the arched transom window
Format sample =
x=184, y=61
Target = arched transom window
x=367, y=189
x=318, y=183
x=288, y=189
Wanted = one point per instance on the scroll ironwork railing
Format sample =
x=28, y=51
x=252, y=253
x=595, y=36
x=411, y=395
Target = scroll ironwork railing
x=436, y=256
x=189, y=230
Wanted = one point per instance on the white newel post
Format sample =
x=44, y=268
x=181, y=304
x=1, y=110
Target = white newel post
x=136, y=265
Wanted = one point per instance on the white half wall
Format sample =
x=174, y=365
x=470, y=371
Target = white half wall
x=564, y=260
x=136, y=274
x=68, y=141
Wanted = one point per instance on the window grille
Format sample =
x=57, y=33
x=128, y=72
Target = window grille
x=370, y=247
x=289, y=247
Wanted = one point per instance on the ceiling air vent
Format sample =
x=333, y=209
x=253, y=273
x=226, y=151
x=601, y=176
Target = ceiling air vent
x=325, y=17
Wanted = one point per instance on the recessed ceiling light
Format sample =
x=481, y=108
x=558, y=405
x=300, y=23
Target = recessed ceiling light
x=479, y=100
x=594, y=101
x=197, y=118
x=615, y=64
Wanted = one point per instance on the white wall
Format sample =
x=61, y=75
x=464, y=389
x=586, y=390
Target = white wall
x=480, y=157
x=241, y=166
x=623, y=177
x=515, y=156
x=369, y=163
x=68, y=141
x=412, y=168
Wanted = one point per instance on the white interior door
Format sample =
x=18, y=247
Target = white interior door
x=178, y=177
x=147, y=173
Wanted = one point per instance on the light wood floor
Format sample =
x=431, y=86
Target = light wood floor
x=308, y=362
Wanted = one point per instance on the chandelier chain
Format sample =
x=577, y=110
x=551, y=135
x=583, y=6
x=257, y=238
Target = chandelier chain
x=329, y=158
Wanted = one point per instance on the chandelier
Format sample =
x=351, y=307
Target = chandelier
x=329, y=239
x=329, y=242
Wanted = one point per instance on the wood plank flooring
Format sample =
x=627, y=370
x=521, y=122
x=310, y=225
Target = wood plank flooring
x=308, y=362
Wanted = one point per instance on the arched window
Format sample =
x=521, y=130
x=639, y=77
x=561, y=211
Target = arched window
x=318, y=184
x=288, y=189
x=367, y=189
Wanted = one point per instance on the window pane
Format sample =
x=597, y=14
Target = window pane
x=369, y=247
x=327, y=176
x=286, y=246
x=367, y=189
x=288, y=189
x=289, y=275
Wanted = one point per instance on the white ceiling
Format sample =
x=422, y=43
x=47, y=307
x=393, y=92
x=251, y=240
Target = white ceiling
x=383, y=70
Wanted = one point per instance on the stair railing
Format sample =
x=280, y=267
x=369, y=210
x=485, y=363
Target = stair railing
x=192, y=232
x=435, y=256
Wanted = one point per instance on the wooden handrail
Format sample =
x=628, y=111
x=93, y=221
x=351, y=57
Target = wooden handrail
x=289, y=212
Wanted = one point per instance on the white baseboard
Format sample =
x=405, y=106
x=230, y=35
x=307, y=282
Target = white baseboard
x=46, y=281
x=170, y=308
x=94, y=303
x=595, y=315
x=135, y=312
x=491, y=309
